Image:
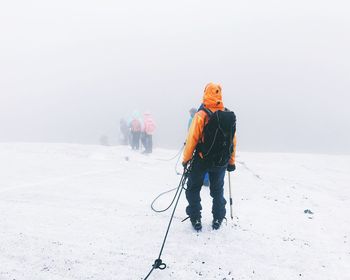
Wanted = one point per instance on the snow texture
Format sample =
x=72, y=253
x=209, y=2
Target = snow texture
x=83, y=212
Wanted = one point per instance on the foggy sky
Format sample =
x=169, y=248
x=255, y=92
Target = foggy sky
x=69, y=70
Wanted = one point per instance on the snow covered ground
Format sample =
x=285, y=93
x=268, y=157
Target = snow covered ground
x=83, y=212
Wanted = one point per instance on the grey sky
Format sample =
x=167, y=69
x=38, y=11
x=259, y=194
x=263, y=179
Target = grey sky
x=70, y=69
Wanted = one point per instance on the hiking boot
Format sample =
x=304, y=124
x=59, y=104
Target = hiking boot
x=196, y=223
x=217, y=223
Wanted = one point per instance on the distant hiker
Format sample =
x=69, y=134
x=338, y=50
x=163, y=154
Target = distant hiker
x=148, y=130
x=135, y=130
x=104, y=140
x=123, y=126
x=211, y=141
x=192, y=112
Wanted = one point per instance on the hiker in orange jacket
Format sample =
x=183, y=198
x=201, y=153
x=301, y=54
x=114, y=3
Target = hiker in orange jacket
x=212, y=102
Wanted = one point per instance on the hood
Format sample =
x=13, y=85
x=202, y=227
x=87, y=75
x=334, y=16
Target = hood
x=212, y=98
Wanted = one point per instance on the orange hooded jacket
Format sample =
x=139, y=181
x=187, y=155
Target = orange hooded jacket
x=212, y=100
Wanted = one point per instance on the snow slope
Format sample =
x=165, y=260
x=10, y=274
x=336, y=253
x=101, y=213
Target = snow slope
x=83, y=212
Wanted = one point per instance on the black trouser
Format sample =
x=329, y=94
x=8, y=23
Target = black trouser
x=195, y=183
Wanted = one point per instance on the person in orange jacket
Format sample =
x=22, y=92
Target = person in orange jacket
x=212, y=102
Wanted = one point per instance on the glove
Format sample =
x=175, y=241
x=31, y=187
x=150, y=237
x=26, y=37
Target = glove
x=231, y=167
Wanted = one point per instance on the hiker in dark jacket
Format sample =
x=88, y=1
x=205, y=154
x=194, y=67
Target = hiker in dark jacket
x=192, y=112
x=212, y=102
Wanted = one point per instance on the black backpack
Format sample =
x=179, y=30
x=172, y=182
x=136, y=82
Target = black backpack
x=217, y=145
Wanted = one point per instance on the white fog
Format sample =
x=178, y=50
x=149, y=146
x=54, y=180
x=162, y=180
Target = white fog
x=71, y=69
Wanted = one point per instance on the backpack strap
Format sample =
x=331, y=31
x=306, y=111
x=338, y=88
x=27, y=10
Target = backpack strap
x=202, y=108
x=200, y=143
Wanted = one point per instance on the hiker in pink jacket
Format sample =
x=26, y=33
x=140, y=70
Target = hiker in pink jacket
x=149, y=127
